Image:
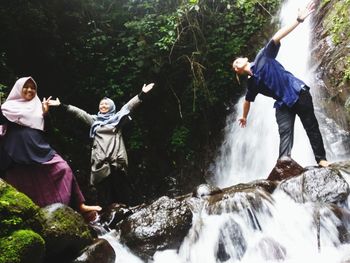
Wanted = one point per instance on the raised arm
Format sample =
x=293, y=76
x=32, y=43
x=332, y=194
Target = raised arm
x=243, y=120
x=138, y=98
x=302, y=15
x=78, y=113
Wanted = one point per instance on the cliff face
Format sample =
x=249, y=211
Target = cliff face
x=331, y=55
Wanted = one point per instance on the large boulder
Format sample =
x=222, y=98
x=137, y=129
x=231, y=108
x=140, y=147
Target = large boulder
x=65, y=232
x=22, y=246
x=28, y=232
x=17, y=211
x=317, y=185
x=233, y=198
x=160, y=225
x=100, y=251
x=20, y=225
x=166, y=222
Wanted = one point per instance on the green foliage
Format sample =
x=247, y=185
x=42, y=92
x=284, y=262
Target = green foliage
x=136, y=139
x=81, y=51
x=339, y=24
x=23, y=246
x=347, y=70
x=179, y=138
x=2, y=93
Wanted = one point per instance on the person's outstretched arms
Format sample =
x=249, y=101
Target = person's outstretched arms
x=302, y=15
x=75, y=111
x=54, y=103
x=243, y=120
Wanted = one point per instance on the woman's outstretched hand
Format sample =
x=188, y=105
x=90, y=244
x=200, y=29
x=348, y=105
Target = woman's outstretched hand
x=54, y=103
x=147, y=88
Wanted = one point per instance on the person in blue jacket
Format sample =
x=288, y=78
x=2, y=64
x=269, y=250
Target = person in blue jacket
x=268, y=77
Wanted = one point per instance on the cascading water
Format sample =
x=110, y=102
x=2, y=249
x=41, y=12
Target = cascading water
x=253, y=226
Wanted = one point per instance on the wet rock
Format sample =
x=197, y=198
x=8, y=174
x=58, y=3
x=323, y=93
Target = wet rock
x=343, y=225
x=101, y=251
x=266, y=185
x=232, y=244
x=271, y=250
x=330, y=60
x=160, y=225
x=205, y=190
x=326, y=185
x=114, y=214
x=65, y=232
x=109, y=217
x=294, y=188
x=285, y=168
x=317, y=185
x=343, y=167
x=233, y=199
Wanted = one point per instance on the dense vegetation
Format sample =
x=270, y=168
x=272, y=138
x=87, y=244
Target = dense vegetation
x=338, y=24
x=82, y=50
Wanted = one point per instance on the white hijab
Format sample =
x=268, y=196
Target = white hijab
x=17, y=109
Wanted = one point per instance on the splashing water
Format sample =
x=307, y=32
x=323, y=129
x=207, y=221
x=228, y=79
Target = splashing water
x=288, y=235
x=123, y=254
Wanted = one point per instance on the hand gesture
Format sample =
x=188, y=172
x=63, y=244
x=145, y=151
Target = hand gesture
x=242, y=122
x=54, y=103
x=45, y=104
x=304, y=13
x=147, y=88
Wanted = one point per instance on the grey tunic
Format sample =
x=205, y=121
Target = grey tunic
x=108, y=149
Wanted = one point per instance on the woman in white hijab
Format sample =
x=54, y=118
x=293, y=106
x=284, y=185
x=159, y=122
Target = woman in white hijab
x=29, y=162
x=109, y=159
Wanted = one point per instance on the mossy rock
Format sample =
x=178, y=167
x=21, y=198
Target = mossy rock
x=64, y=231
x=23, y=246
x=17, y=211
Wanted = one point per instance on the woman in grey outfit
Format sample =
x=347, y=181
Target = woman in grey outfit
x=108, y=154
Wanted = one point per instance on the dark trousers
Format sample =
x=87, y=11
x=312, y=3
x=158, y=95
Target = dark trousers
x=285, y=118
x=114, y=189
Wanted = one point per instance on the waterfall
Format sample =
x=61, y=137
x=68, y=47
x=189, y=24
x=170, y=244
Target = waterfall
x=250, y=153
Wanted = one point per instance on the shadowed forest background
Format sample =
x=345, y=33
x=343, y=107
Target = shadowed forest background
x=83, y=50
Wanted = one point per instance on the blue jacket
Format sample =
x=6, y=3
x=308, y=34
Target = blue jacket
x=272, y=80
